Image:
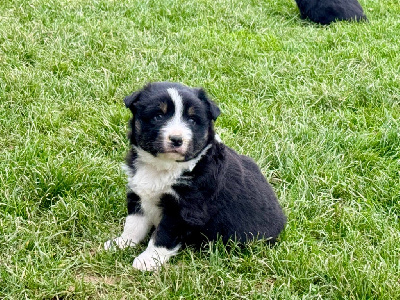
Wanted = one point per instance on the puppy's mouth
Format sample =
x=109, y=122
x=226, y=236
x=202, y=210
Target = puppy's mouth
x=179, y=152
x=169, y=149
x=175, y=148
x=173, y=154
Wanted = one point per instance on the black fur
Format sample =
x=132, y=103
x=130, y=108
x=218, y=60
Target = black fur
x=328, y=11
x=225, y=195
x=228, y=197
x=133, y=203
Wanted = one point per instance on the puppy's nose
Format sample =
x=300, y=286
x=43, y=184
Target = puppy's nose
x=176, y=140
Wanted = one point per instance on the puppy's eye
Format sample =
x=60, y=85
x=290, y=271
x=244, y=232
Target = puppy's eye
x=158, y=117
x=192, y=121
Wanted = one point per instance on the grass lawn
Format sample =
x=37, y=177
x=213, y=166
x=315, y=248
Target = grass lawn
x=317, y=107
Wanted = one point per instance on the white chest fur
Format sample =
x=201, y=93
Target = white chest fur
x=154, y=177
x=149, y=184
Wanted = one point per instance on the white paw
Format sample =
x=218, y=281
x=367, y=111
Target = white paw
x=146, y=262
x=120, y=242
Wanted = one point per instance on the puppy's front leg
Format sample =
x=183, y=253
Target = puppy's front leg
x=154, y=256
x=137, y=225
x=164, y=243
x=135, y=230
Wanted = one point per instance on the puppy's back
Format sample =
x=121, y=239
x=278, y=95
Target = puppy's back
x=327, y=11
x=248, y=207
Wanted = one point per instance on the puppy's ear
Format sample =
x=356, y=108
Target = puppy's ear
x=213, y=109
x=132, y=99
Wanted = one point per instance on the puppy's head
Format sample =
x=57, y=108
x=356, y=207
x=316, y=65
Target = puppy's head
x=171, y=121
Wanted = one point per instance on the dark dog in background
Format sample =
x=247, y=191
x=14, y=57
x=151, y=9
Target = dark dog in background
x=328, y=11
x=185, y=183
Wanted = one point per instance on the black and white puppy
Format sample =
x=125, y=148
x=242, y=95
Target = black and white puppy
x=328, y=11
x=185, y=183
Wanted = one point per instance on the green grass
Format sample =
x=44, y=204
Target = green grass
x=317, y=107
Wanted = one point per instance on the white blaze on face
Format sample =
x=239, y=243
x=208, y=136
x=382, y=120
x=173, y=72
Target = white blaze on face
x=176, y=127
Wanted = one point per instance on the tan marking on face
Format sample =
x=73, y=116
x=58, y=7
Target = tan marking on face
x=164, y=107
x=191, y=111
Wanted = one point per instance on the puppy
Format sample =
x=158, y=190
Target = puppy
x=185, y=183
x=327, y=11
